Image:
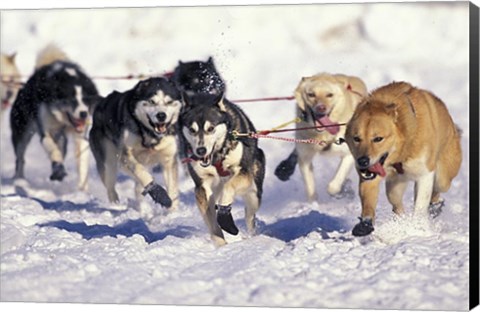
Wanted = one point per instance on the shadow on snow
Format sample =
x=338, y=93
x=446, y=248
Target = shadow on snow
x=295, y=227
x=128, y=229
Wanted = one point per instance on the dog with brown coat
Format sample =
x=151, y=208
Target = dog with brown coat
x=402, y=133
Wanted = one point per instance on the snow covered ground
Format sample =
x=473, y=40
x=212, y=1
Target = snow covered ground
x=61, y=245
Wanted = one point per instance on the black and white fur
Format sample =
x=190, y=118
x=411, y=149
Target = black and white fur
x=136, y=130
x=220, y=166
x=56, y=100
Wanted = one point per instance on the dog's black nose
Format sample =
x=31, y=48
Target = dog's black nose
x=201, y=151
x=363, y=162
x=161, y=116
x=83, y=114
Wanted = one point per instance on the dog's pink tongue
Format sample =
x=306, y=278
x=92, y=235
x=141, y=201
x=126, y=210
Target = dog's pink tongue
x=378, y=169
x=329, y=125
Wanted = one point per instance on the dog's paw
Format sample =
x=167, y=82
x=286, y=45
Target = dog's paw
x=284, y=171
x=58, y=171
x=345, y=191
x=363, y=228
x=225, y=219
x=286, y=168
x=158, y=194
x=435, y=209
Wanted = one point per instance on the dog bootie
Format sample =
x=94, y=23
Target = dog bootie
x=287, y=167
x=435, y=209
x=225, y=219
x=158, y=194
x=363, y=228
x=58, y=171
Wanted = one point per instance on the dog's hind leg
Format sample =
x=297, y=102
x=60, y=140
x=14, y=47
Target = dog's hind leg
x=346, y=164
x=20, y=139
x=252, y=204
x=108, y=169
x=286, y=168
x=306, y=168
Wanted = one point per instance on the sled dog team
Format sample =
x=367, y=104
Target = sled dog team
x=397, y=133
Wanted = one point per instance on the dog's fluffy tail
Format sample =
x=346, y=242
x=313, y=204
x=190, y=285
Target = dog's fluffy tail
x=50, y=54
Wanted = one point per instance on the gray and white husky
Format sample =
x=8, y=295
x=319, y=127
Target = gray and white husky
x=136, y=130
x=220, y=165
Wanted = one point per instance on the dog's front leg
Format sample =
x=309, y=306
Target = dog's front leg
x=168, y=160
x=346, y=164
x=423, y=193
x=226, y=198
x=141, y=174
x=56, y=157
x=368, y=191
x=305, y=158
x=206, y=204
x=396, y=186
x=81, y=154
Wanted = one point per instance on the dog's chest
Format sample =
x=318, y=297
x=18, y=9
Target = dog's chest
x=226, y=168
x=412, y=168
x=166, y=147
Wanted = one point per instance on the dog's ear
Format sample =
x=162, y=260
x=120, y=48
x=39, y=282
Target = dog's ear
x=210, y=61
x=219, y=99
x=180, y=63
x=187, y=102
x=392, y=110
x=142, y=86
x=299, y=95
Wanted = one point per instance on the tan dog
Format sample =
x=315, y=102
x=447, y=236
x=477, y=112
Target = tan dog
x=9, y=80
x=327, y=100
x=404, y=134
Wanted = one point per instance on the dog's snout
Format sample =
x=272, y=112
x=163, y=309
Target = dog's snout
x=320, y=108
x=83, y=114
x=363, y=162
x=161, y=116
x=201, y=151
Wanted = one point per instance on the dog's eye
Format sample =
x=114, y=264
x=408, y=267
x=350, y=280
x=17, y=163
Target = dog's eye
x=192, y=130
x=356, y=139
x=329, y=95
x=169, y=103
x=377, y=139
x=310, y=94
x=210, y=129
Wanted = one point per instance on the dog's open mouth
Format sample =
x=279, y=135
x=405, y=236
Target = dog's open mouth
x=323, y=122
x=159, y=127
x=206, y=161
x=78, y=124
x=376, y=169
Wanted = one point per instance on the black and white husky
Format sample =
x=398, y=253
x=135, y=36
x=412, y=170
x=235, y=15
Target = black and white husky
x=220, y=165
x=137, y=130
x=198, y=77
x=56, y=100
